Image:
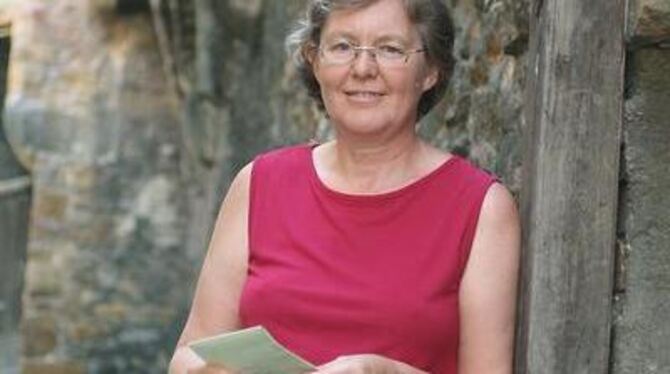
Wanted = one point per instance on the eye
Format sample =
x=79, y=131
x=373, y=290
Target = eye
x=391, y=51
x=339, y=47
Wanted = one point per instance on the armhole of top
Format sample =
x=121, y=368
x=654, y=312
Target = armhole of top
x=253, y=192
x=473, y=222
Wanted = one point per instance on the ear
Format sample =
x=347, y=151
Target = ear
x=311, y=57
x=309, y=54
x=430, y=79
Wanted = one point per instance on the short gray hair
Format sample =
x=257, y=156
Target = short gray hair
x=431, y=18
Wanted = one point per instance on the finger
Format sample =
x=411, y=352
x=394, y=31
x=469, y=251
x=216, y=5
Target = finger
x=341, y=365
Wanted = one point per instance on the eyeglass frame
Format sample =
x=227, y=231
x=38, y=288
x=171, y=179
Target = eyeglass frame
x=373, y=53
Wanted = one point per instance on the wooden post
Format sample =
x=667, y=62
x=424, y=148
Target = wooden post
x=569, y=193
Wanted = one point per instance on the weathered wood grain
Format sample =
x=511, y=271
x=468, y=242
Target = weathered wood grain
x=569, y=196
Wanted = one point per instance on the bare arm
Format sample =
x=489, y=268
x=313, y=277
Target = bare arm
x=216, y=299
x=488, y=289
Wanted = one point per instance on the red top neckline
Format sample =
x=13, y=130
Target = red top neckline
x=400, y=191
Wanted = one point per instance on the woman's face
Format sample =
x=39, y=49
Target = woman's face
x=362, y=96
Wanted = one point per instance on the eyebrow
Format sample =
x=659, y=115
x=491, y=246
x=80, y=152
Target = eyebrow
x=384, y=38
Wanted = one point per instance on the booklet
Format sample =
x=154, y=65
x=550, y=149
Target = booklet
x=250, y=351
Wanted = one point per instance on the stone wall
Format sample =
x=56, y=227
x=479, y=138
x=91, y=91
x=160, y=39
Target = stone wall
x=641, y=329
x=481, y=116
x=132, y=123
x=89, y=113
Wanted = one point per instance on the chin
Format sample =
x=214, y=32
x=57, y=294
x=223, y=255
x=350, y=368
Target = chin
x=362, y=123
x=364, y=118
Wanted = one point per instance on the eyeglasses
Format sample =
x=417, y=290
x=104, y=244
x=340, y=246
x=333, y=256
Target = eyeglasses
x=342, y=52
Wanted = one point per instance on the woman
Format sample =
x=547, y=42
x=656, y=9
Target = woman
x=375, y=252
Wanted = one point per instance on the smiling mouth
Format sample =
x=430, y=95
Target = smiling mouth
x=367, y=95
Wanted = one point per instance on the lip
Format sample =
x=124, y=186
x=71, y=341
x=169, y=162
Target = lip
x=364, y=96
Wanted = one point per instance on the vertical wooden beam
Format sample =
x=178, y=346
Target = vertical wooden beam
x=569, y=195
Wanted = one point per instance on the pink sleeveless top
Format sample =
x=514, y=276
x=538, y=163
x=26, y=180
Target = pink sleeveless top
x=334, y=274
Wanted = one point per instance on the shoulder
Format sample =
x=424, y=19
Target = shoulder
x=499, y=204
x=281, y=165
x=283, y=154
x=472, y=172
x=468, y=182
x=242, y=179
x=237, y=197
x=499, y=217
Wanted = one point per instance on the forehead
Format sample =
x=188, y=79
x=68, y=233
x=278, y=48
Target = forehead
x=380, y=19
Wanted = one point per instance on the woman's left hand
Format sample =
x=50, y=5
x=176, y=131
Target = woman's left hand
x=366, y=364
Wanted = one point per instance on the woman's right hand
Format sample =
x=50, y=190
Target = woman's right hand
x=185, y=361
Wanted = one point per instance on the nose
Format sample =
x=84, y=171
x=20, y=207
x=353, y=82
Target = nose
x=365, y=64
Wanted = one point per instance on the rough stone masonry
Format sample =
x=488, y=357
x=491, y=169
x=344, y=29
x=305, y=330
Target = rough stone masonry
x=642, y=295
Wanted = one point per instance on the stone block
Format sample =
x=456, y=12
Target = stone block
x=90, y=229
x=79, y=176
x=83, y=331
x=39, y=336
x=111, y=312
x=41, y=277
x=649, y=22
x=50, y=206
x=70, y=367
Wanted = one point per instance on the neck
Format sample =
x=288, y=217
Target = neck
x=371, y=166
x=351, y=157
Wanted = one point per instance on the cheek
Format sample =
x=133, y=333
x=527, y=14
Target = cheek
x=329, y=96
x=412, y=90
x=412, y=84
x=328, y=84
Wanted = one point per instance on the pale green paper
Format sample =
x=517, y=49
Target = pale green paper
x=250, y=351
